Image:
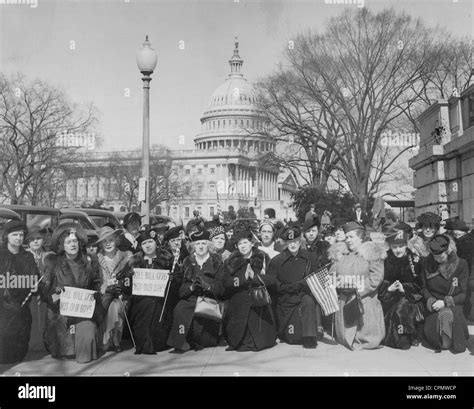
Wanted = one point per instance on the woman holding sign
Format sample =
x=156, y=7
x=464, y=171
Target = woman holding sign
x=202, y=284
x=71, y=331
x=150, y=314
x=112, y=261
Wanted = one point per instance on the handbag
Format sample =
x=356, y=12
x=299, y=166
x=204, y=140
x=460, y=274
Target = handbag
x=209, y=308
x=353, y=309
x=260, y=295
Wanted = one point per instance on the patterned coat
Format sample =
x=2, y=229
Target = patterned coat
x=365, y=268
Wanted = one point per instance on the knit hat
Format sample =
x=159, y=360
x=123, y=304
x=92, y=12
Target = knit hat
x=439, y=244
x=215, y=231
x=266, y=222
x=291, y=233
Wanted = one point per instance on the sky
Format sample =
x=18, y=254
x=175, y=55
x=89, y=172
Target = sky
x=88, y=49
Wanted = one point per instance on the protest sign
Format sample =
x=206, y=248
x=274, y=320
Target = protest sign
x=77, y=302
x=149, y=281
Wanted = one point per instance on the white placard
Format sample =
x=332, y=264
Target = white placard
x=150, y=281
x=77, y=302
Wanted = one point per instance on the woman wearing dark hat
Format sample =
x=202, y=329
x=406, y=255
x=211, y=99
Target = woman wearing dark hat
x=247, y=326
x=35, y=241
x=149, y=333
x=429, y=224
x=400, y=291
x=217, y=239
x=297, y=309
x=131, y=224
x=202, y=277
x=267, y=234
x=359, y=270
x=329, y=234
x=16, y=265
x=445, y=278
x=71, y=336
x=112, y=261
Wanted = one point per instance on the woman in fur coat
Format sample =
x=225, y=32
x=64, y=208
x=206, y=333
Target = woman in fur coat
x=112, y=261
x=71, y=337
x=400, y=292
x=148, y=332
x=445, y=278
x=359, y=271
x=202, y=277
x=247, y=327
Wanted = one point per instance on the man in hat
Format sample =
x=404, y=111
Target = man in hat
x=131, y=224
x=311, y=213
x=465, y=249
x=359, y=216
x=18, y=276
x=296, y=306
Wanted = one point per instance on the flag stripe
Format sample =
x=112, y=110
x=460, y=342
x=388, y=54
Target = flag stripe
x=323, y=290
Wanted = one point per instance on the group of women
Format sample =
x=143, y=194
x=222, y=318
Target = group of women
x=241, y=290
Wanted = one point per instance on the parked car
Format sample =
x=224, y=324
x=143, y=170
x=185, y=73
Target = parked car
x=98, y=217
x=5, y=216
x=154, y=219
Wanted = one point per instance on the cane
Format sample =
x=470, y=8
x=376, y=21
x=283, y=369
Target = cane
x=30, y=293
x=129, y=327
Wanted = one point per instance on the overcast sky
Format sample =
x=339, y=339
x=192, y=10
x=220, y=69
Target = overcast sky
x=107, y=33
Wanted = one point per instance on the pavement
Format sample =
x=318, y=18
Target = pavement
x=329, y=359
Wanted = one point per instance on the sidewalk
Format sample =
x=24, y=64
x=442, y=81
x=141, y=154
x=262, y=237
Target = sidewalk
x=282, y=360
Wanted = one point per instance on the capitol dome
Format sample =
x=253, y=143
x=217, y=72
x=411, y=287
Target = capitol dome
x=233, y=118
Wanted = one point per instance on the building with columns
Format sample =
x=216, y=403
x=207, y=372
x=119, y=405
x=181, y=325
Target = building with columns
x=444, y=165
x=223, y=169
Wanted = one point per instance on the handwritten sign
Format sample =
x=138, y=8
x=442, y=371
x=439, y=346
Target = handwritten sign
x=148, y=281
x=77, y=302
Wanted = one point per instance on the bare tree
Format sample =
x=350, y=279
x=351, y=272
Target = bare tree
x=36, y=121
x=354, y=81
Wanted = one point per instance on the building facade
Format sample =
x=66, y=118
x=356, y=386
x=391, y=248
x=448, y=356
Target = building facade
x=444, y=165
x=224, y=168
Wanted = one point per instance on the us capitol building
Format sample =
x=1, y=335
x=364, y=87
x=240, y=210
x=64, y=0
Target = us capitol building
x=223, y=168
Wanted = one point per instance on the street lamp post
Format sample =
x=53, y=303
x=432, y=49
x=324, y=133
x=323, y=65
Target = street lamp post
x=146, y=61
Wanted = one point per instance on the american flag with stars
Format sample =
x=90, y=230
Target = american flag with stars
x=323, y=289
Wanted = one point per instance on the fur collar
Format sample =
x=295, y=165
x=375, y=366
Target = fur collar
x=432, y=268
x=236, y=260
x=163, y=258
x=369, y=251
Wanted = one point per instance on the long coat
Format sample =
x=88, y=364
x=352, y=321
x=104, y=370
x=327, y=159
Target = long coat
x=60, y=339
x=149, y=333
x=403, y=311
x=449, y=285
x=247, y=327
x=205, y=332
x=15, y=320
x=296, y=306
x=465, y=250
x=366, y=268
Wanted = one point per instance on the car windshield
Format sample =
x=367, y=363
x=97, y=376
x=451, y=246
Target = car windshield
x=41, y=220
x=84, y=223
x=101, y=220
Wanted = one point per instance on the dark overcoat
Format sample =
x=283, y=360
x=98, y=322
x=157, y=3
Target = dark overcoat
x=15, y=320
x=205, y=332
x=403, y=311
x=247, y=327
x=450, y=285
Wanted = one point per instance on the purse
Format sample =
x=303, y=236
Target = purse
x=260, y=295
x=353, y=309
x=209, y=308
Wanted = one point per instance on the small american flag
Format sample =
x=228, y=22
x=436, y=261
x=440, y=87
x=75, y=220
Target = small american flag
x=323, y=290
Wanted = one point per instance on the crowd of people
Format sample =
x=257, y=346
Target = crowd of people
x=240, y=287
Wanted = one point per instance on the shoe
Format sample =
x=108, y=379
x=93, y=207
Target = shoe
x=177, y=351
x=415, y=342
x=117, y=348
x=310, y=342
